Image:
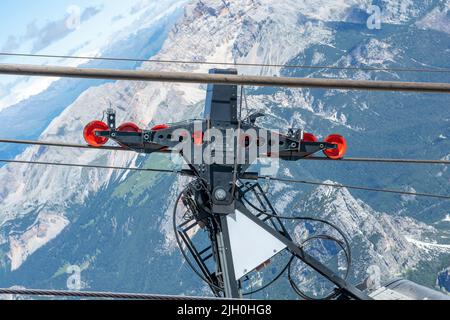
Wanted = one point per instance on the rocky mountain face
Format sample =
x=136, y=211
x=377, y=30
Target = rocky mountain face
x=116, y=225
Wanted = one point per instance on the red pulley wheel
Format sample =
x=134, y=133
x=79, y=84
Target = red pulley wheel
x=89, y=133
x=341, y=149
x=160, y=127
x=309, y=137
x=128, y=127
x=197, y=136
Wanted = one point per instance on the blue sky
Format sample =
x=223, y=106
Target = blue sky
x=22, y=20
x=16, y=15
x=49, y=27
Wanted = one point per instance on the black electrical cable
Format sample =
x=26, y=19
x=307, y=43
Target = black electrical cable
x=278, y=276
x=287, y=66
x=345, y=246
x=332, y=225
x=191, y=265
x=180, y=246
x=335, y=292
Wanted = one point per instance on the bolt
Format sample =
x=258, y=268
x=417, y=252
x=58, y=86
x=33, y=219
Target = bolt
x=220, y=194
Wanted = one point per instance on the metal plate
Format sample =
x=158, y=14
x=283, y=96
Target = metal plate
x=251, y=245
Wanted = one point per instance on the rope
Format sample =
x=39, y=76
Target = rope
x=90, y=294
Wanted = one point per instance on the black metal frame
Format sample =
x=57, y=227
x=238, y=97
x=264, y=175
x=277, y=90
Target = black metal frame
x=221, y=114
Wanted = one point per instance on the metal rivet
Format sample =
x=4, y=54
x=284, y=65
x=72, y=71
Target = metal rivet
x=220, y=194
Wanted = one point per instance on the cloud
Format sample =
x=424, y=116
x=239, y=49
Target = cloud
x=89, y=12
x=49, y=33
x=11, y=44
x=117, y=18
x=139, y=6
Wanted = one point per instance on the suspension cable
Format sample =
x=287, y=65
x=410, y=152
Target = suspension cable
x=114, y=148
x=382, y=160
x=259, y=177
x=61, y=144
x=263, y=65
x=333, y=185
x=64, y=164
x=103, y=295
x=204, y=78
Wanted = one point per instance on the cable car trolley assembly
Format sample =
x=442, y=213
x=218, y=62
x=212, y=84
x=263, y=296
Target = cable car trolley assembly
x=217, y=200
x=242, y=232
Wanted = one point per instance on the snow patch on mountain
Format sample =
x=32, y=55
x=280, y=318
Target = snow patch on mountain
x=429, y=246
x=298, y=99
x=438, y=19
x=393, y=243
x=403, y=11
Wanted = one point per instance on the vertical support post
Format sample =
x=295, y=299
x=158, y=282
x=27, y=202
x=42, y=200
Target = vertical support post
x=231, y=287
x=221, y=113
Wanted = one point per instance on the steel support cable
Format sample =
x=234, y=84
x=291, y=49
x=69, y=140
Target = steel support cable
x=382, y=160
x=62, y=144
x=76, y=165
x=103, y=295
x=114, y=148
x=263, y=65
x=226, y=79
x=333, y=185
x=175, y=171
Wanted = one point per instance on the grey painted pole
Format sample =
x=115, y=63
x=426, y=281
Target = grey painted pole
x=185, y=77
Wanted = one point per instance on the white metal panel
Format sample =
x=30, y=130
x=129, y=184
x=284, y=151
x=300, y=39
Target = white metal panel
x=384, y=293
x=251, y=245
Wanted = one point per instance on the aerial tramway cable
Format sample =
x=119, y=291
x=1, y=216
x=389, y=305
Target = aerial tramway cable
x=176, y=171
x=94, y=294
x=222, y=63
x=224, y=79
x=311, y=158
